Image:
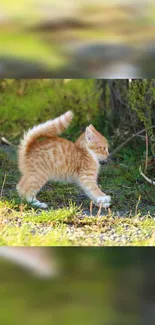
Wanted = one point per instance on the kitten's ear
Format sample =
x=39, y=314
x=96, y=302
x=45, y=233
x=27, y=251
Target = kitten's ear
x=91, y=127
x=89, y=134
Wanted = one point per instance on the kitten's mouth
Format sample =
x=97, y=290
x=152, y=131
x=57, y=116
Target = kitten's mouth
x=103, y=162
x=106, y=161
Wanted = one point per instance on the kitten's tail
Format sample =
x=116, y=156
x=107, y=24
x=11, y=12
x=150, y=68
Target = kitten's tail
x=47, y=129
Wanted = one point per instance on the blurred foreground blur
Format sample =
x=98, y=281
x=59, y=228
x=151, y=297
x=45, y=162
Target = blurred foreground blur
x=97, y=286
x=35, y=259
x=75, y=39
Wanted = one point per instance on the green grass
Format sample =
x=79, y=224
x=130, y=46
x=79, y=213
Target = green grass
x=42, y=100
x=67, y=226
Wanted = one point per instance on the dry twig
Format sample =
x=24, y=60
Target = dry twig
x=99, y=210
x=145, y=177
x=3, y=185
x=91, y=208
x=5, y=141
x=147, y=149
x=129, y=139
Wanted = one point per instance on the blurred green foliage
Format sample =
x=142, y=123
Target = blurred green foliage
x=44, y=34
x=116, y=108
x=89, y=290
x=27, y=46
x=28, y=102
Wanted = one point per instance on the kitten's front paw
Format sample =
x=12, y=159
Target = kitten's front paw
x=38, y=204
x=43, y=206
x=104, y=200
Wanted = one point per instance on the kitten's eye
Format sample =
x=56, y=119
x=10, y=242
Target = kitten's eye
x=104, y=148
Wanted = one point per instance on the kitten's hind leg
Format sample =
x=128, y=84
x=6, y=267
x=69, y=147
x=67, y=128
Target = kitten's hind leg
x=36, y=203
x=29, y=186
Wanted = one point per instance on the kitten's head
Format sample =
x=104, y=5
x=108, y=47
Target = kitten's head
x=97, y=143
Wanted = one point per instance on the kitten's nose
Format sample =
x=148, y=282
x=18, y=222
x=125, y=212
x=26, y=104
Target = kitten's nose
x=103, y=162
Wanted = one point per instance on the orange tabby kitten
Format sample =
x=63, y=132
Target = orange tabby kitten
x=55, y=158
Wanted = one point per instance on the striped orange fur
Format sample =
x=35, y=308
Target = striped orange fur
x=55, y=158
